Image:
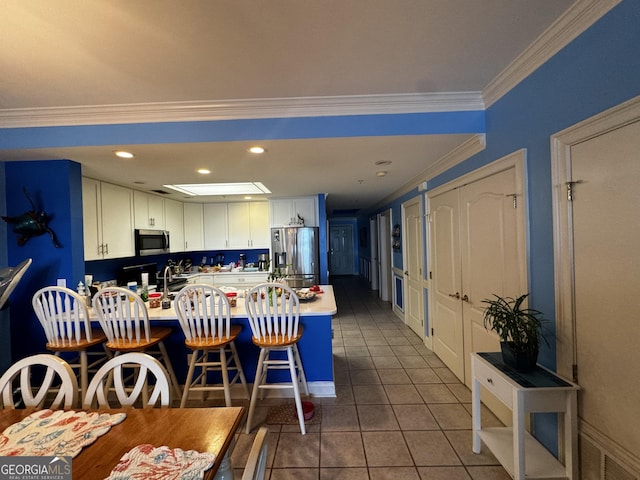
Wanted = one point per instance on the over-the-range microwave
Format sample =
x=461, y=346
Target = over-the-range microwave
x=151, y=242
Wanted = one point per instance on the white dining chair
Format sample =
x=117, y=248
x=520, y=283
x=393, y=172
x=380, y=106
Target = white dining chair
x=204, y=315
x=58, y=380
x=273, y=310
x=142, y=367
x=64, y=317
x=124, y=319
x=256, y=465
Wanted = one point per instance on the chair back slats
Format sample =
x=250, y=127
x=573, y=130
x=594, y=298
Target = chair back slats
x=274, y=311
x=62, y=314
x=203, y=312
x=122, y=315
x=58, y=378
x=127, y=395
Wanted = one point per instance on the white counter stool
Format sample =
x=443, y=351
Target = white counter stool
x=65, y=320
x=204, y=315
x=124, y=319
x=273, y=310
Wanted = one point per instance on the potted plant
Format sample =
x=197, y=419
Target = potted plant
x=520, y=330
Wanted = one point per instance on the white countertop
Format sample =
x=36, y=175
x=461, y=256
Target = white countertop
x=324, y=304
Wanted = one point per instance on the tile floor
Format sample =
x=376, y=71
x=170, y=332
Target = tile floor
x=399, y=413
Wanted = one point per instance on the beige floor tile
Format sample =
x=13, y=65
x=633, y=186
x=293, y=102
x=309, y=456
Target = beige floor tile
x=431, y=448
x=487, y=418
x=341, y=449
x=339, y=418
x=397, y=340
x=461, y=440
x=344, y=474
x=415, y=417
x=393, y=473
x=412, y=361
x=364, y=377
x=403, y=394
x=423, y=375
x=451, y=416
x=353, y=341
x=296, y=451
x=386, y=449
x=377, y=418
x=443, y=473
x=360, y=363
x=294, y=474
x=446, y=375
x=393, y=376
x=356, y=351
x=373, y=341
x=369, y=394
x=390, y=361
x=404, y=349
x=376, y=350
x=436, y=393
x=488, y=473
x=461, y=391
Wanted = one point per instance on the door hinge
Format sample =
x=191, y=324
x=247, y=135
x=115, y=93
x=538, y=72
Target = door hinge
x=432, y=331
x=514, y=197
x=574, y=372
x=430, y=275
x=570, y=189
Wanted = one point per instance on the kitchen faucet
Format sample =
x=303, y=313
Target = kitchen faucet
x=165, y=290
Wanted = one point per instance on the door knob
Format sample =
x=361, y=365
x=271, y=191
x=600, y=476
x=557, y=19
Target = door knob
x=465, y=298
x=406, y=272
x=455, y=295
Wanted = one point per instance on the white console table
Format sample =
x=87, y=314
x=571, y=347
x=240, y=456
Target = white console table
x=524, y=393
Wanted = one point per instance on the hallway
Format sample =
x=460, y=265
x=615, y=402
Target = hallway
x=399, y=414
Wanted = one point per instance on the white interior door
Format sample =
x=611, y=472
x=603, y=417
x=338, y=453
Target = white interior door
x=384, y=244
x=341, y=249
x=493, y=257
x=446, y=281
x=373, y=234
x=598, y=315
x=414, y=316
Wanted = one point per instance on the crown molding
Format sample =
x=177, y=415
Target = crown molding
x=241, y=109
x=578, y=18
x=462, y=152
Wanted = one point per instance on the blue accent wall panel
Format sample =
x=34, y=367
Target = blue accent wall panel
x=399, y=293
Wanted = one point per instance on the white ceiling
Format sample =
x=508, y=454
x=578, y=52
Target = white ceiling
x=65, y=53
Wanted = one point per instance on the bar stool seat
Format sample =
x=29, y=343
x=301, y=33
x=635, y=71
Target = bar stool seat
x=273, y=310
x=204, y=315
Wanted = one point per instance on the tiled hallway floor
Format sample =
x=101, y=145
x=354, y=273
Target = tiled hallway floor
x=399, y=414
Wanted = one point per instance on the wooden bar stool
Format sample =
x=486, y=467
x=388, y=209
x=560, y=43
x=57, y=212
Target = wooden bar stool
x=124, y=318
x=204, y=315
x=65, y=320
x=273, y=310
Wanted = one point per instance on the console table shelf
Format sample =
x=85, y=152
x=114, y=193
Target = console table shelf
x=541, y=391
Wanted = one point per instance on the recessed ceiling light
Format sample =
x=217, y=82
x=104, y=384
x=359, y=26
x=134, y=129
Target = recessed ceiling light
x=381, y=173
x=257, y=150
x=204, y=171
x=383, y=162
x=247, y=197
x=123, y=154
x=241, y=188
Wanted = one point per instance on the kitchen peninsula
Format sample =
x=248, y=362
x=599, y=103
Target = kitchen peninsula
x=315, y=345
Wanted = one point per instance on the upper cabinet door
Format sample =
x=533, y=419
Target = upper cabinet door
x=238, y=225
x=288, y=211
x=259, y=225
x=148, y=210
x=174, y=224
x=215, y=226
x=117, y=221
x=193, y=227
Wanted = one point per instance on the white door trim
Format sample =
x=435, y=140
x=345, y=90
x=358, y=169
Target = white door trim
x=561, y=143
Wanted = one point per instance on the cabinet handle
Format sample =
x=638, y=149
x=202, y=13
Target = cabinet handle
x=106, y=245
x=490, y=380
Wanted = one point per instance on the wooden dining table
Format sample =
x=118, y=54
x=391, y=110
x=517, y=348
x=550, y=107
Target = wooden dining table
x=201, y=429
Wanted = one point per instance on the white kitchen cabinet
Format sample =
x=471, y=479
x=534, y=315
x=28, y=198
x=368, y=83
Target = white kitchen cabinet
x=239, y=279
x=107, y=212
x=148, y=210
x=248, y=225
x=215, y=226
x=174, y=224
x=285, y=211
x=193, y=227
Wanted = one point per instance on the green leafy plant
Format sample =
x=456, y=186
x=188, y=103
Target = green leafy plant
x=521, y=328
x=277, y=275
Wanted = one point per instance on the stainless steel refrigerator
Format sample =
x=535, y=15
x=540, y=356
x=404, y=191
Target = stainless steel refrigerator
x=294, y=250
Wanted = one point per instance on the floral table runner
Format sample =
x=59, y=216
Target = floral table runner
x=56, y=432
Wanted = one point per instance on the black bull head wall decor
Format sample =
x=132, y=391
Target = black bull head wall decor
x=31, y=224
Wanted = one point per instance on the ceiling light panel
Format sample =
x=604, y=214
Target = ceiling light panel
x=202, y=189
